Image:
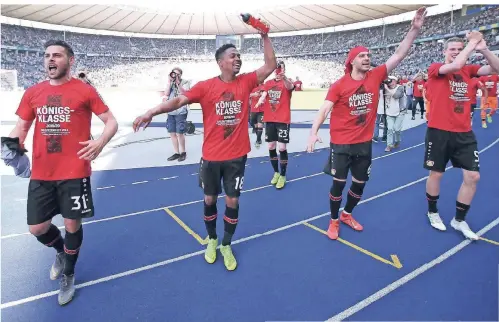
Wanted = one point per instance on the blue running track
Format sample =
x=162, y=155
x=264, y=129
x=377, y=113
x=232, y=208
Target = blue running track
x=140, y=263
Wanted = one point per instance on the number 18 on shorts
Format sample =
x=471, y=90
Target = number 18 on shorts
x=229, y=174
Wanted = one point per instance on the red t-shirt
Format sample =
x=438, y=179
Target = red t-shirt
x=298, y=86
x=254, y=100
x=277, y=106
x=490, y=82
x=355, y=104
x=225, y=109
x=62, y=117
x=418, y=88
x=474, y=86
x=451, y=108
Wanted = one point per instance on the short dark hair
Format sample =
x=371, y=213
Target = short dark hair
x=61, y=43
x=222, y=49
x=453, y=39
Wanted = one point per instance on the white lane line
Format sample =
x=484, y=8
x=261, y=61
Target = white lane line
x=186, y=256
x=168, y=178
x=199, y=201
x=140, y=182
x=193, y=174
x=270, y=232
x=407, y=278
x=415, y=273
x=108, y=187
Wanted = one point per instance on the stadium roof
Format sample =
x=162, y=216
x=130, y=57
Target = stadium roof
x=153, y=21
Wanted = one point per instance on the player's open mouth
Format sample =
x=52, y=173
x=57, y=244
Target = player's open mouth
x=52, y=68
x=237, y=65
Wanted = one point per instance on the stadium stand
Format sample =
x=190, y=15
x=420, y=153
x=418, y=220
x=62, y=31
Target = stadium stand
x=317, y=59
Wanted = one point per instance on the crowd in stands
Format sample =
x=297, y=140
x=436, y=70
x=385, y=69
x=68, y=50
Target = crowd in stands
x=115, y=61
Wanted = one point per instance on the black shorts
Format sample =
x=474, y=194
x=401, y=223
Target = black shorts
x=231, y=172
x=354, y=157
x=70, y=198
x=277, y=132
x=256, y=117
x=460, y=148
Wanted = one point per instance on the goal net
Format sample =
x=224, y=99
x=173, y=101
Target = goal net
x=8, y=80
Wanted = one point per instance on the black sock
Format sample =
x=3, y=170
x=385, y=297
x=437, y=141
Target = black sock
x=283, y=155
x=259, y=132
x=230, y=224
x=72, y=244
x=432, y=203
x=210, y=220
x=461, y=211
x=274, y=160
x=335, y=194
x=354, y=196
x=52, y=238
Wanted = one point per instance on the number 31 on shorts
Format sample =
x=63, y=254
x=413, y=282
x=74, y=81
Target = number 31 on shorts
x=77, y=205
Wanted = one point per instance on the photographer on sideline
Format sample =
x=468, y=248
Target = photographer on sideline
x=380, y=117
x=395, y=109
x=176, y=122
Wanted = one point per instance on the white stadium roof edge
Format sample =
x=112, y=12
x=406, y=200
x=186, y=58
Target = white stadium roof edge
x=133, y=19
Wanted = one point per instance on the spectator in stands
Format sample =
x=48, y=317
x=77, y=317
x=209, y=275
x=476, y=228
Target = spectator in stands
x=176, y=121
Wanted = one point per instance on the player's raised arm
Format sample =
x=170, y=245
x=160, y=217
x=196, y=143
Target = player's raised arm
x=406, y=44
x=492, y=59
x=269, y=57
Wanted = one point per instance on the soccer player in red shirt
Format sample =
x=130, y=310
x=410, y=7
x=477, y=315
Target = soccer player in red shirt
x=490, y=101
x=256, y=113
x=277, y=118
x=224, y=101
x=298, y=84
x=62, y=109
x=475, y=85
x=449, y=135
x=353, y=102
x=418, y=95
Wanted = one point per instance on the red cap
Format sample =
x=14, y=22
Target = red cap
x=351, y=56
